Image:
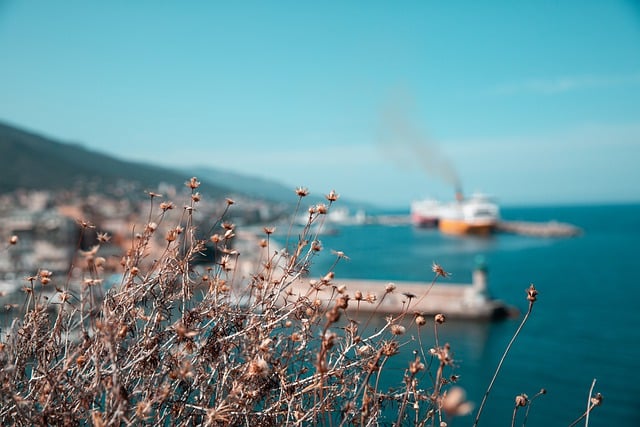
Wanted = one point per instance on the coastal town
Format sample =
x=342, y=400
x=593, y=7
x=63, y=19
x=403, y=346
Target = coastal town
x=45, y=230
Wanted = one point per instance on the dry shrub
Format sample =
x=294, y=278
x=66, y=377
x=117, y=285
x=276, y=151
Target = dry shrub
x=173, y=344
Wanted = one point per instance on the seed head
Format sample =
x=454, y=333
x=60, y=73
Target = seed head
x=193, y=183
x=390, y=348
x=328, y=277
x=409, y=295
x=343, y=302
x=166, y=206
x=439, y=318
x=13, y=240
x=596, y=400
x=363, y=349
x=532, y=294
x=340, y=254
x=436, y=268
x=45, y=276
x=398, y=329
x=269, y=230
x=390, y=287
x=85, y=224
x=103, y=237
x=444, y=354
x=173, y=233
x=65, y=296
x=302, y=192
x=416, y=366
x=420, y=320
x=522, y=400
x=332, y=196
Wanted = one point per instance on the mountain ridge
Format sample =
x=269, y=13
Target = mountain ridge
x=31, y=160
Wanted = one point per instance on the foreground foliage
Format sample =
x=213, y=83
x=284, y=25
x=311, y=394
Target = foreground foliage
x=177, y=344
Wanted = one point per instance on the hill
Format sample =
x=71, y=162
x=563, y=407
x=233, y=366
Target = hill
x=33, y=161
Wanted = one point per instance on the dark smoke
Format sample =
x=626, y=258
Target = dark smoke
x=408, y=145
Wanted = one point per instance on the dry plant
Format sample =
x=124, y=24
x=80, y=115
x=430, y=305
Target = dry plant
x=173, y=344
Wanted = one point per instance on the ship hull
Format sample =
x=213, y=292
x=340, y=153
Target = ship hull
x=460, y=227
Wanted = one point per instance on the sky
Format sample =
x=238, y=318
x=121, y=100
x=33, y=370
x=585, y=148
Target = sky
x=385, y=102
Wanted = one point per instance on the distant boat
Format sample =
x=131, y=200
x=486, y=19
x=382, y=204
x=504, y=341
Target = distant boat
x=478, y=214
x=342, y=216
x=425, y=213
x=336, y=217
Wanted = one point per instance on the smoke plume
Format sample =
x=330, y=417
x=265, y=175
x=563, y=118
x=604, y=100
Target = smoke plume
x=406, y=144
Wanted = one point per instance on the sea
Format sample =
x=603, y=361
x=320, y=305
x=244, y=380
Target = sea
x=585, y=325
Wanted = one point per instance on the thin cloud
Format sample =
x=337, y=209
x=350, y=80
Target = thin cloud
x=565, y=84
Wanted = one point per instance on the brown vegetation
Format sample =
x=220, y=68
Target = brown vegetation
x=177, y=345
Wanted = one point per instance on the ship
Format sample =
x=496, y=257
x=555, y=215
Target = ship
x=425, y=213
x=478, y=214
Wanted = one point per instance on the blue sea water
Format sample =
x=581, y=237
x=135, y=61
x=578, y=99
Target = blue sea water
x=585, y=324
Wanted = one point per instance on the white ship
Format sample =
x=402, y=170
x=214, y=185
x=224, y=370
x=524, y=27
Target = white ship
x=478, y=214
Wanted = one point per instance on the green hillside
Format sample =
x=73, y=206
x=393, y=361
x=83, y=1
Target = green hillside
x=32, y=161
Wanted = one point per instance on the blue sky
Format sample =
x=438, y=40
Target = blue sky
x=532, y=102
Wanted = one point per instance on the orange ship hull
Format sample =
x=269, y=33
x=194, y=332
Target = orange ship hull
x=458, y=226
